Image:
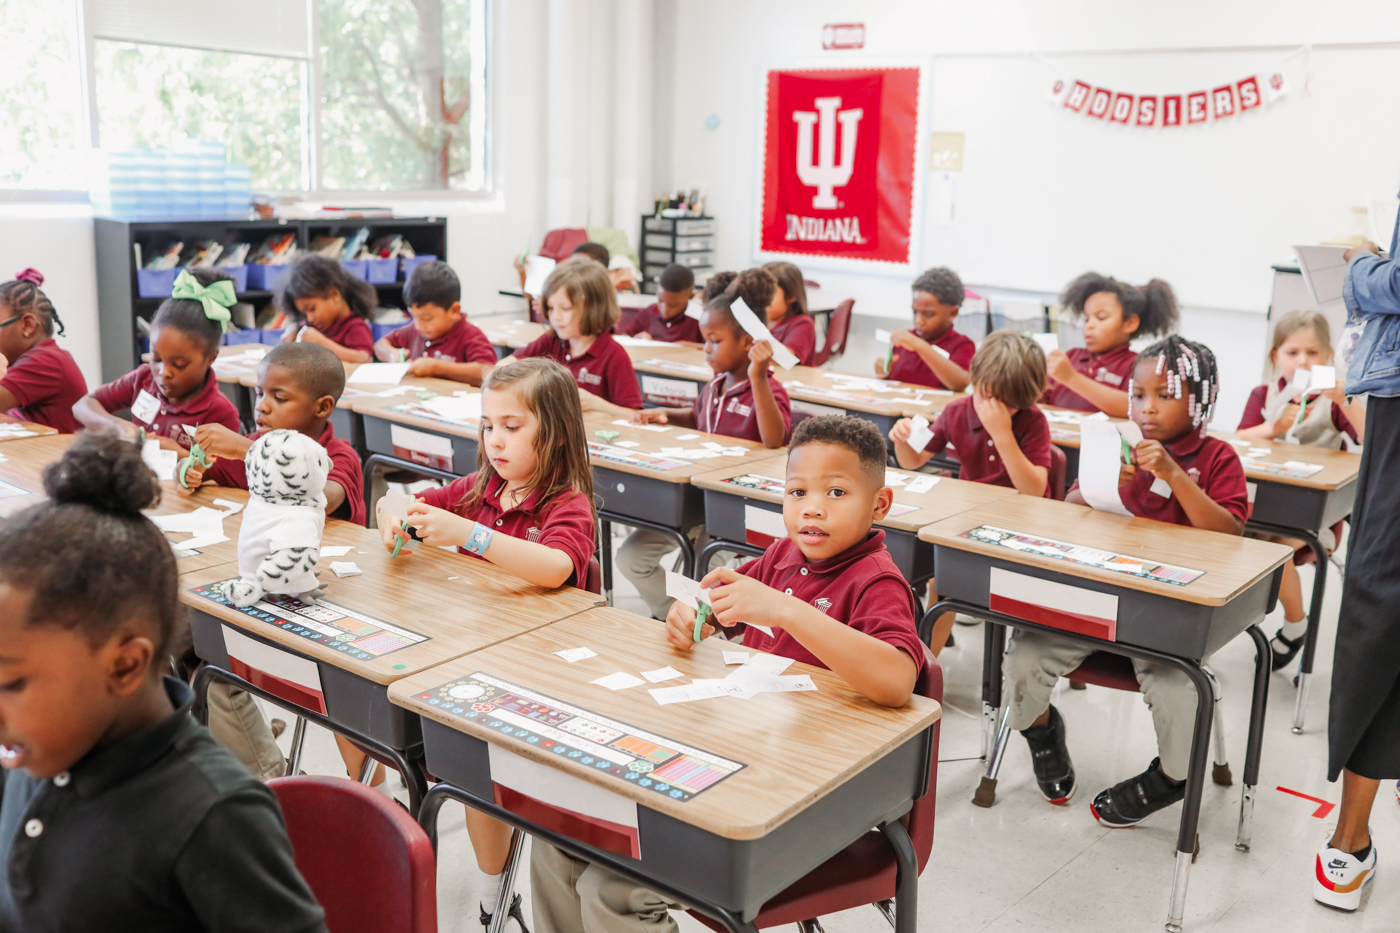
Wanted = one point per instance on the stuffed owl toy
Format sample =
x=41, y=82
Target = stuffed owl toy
x=279, y=541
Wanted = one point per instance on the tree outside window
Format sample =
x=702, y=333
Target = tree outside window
x=40, y=96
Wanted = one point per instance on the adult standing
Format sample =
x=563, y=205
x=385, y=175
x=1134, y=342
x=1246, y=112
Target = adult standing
x=1363, y=727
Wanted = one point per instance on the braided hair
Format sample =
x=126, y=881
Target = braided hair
x=1189, y=368
x=23, y=296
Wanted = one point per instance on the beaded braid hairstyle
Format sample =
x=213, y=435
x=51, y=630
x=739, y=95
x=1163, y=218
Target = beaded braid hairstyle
x=1190, y=369
x=22, y=296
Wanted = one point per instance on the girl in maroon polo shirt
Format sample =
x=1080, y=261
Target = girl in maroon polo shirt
x=337, y=307
x=1094, y=377
x=932, y=354
x=177, y=387
x=788, y=318
x=42, y=382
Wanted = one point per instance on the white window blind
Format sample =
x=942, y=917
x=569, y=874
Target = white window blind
x=257, y=27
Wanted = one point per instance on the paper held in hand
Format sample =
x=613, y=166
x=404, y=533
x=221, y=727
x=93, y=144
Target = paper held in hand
x=919, y=432
x=379, y=374
x=759, y=331
x=537, y=270
x=1100, y=457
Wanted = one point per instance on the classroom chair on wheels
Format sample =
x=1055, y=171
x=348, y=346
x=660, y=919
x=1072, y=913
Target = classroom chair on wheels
x=836, y=333
x=369, y=864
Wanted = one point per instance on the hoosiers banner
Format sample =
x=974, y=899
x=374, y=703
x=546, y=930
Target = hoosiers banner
x=840, y=171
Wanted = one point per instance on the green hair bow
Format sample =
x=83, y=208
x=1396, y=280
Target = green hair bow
x=216, y=298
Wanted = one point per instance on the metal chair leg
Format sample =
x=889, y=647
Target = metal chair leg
x=1220, y=773
x=367, y=770
x=886, y=909
x=298, y=743
x=1263, y=656
x=810, y=926
x=500, y=915
x=987, y=790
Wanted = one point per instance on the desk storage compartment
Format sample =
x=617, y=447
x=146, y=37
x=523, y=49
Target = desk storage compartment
x=652, y=499
x=1301, y=506
x=379, y=439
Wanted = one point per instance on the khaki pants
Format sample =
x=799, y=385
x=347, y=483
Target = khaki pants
x=1037, y=660
x=236, y=721
x=573, y=896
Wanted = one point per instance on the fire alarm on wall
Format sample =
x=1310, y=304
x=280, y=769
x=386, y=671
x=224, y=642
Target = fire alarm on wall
x=843, y=36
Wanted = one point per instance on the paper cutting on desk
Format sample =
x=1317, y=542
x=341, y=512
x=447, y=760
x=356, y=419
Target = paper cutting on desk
x=332, y=550
x=8, y=490
x=758, y=330
x=576, y=654
x=1100, y=457
x=619, y=681
x=383, y=374
x=205, y=525
x=654, y=428
x=922, y=483
x=345, y=568
x=627, y=444
x=662, y=675
x=686, y=437
x=736, y=657
x=1079, y=554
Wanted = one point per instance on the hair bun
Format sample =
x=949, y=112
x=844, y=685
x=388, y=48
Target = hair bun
x=105, y=472
x=30, y=275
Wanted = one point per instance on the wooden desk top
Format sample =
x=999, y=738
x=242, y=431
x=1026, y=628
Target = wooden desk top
x=1339, y=467
x=213, y=555
x=512, y=333
x=461, y=603
x=947, y=498
x=233, y=367
x=373, y=406
x=32, y=427
x=797, y=747
x=23, y=466
x=1067, y=435
x=1232, y=562
x=679, y=361
x=820, y=386
x=650, y=441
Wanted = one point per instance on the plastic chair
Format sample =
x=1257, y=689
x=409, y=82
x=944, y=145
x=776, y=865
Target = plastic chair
x=1059, y=465
x=836, y=333
x=863, y=872
x=593, y=582
x=368, y=862
x=560, y=244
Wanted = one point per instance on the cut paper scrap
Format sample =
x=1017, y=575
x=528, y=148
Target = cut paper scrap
x=921, y=483
x=1048, y=342
x=162, y=462
x=455, y=407
x=627, y=444
x=618, y=681
x=657, y=428
x=686, y=437
x=576, y=654
x=759, y=331
x=685, y=693
x=685, y=590
x=383, y=374
x=1100, y=457
x=736, y=657
x=662, y=675
x=345, y=568
x=332, y=550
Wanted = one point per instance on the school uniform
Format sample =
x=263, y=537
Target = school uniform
x=353, y=333
x=1037, y=660
x=797, y=332
x=1113, y=369
x=160, y=831
x=909, y=367
x=652, y=322
x=566, y=522
x=959, y=427
x=464, y=343
x=46, y=383
x=140, y=391
x=717, y=410
x=1324, y=424
x=345, y=470
x=604, y=369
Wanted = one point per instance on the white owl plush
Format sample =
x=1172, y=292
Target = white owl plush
x=279, y=541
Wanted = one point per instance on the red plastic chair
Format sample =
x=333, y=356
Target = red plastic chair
x=593, y=583
x=836, y=333
x=560, y=244
x=368, y=862
x=1059, y=465
x=863, y=872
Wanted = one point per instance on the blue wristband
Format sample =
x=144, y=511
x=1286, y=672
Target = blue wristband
x=479, y=540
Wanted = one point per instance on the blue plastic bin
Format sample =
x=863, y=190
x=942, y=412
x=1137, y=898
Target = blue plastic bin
x=236, y=337
x=383, y=330
x=410, y=264
x=266, y=276
x=355, y=267
x=381, y=271
x=155, y=283
x=239, y=274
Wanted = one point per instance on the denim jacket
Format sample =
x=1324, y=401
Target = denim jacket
x=1371, y=291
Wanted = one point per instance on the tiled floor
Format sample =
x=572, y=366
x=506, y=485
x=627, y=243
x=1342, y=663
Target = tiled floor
x=1024, y=865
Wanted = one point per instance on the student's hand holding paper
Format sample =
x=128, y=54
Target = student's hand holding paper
x=312, y=335
x=680, y=626
x=905, y=340
x=193, y=476
x=760, y=355
x=218, y=441
x=439, y=527
x=1285, y=419
x=880, y=369
x=1126, y=474
x=425, y=367
x=1058, y=366
x=1367, y=247
x=900, y=432
x=1153, y=457
x=735, y=598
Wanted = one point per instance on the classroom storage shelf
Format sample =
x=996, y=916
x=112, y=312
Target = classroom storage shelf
x=689, y=241
x=119, y=299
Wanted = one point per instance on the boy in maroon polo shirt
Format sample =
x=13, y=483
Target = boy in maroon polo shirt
x=1095, y=377
x=932, y=354
x=177, y=387
x=666, y=320
x=42, y=382
x=440, y=342
x=1180, y=475
x=337, y=307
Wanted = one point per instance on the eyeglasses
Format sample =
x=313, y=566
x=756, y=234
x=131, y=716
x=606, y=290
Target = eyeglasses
x=11, y=320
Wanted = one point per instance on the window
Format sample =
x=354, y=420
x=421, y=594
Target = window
x=41, y=103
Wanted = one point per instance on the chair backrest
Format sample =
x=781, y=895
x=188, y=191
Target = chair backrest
x=1059, y=466
x=368, y=862
x=920, y=824
x=837, y=330
x=560, y=244
x=593, y=583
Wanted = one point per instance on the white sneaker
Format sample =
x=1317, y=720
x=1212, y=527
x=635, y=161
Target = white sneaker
x=1340, y=877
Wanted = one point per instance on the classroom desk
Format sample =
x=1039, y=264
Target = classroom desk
x=347, y=426
x=23, y=429
x=671, y=375
x=779, y=798
x=640, y=486
x=412, y=613
x=22, y=469
x=1177, y=625
x=510, y=334
x=236, y=364
x=746, y=516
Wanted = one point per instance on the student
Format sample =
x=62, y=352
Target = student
x=594, y=251
x=1173, y=390
x=833, y=597
x=1094, y=377
x=42, y=382
x=1302, y=339
x=440, y=342
x=932, y=354
x=177, y=387
x=528, y=509
x=338, y=308
x=666, y=320
x=117, y=810
x=788, y=319
x=1000, y=436
x=743, y=400
x=717, y=285
x=582, y=308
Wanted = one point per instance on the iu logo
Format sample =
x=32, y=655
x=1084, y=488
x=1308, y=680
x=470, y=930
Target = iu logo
x=825, y=174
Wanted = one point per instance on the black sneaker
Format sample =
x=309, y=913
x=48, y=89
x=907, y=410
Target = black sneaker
x=1054, y=772
x=1137, y=798
x=1284, y=650
x=513, y=914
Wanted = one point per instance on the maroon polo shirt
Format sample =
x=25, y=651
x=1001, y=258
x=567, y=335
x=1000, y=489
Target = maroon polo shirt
x=959, y=426
x=1254, y=410
x=464, y=343
x=798, y=333
x=566, y=523
x=46, y=383
x=1114, y=369
x=353, y=333
x=861, y=587
x=207, y=406
x=907, y=366
x=656, y=325
x=604, y=368
x=732, y=413
x=1211, y=463
x=345, y=470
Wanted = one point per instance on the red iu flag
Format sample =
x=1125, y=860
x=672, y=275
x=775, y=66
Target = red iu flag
x=839, y=154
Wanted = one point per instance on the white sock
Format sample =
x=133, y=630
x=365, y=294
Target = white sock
x=1294, y=630
x=488, y=888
